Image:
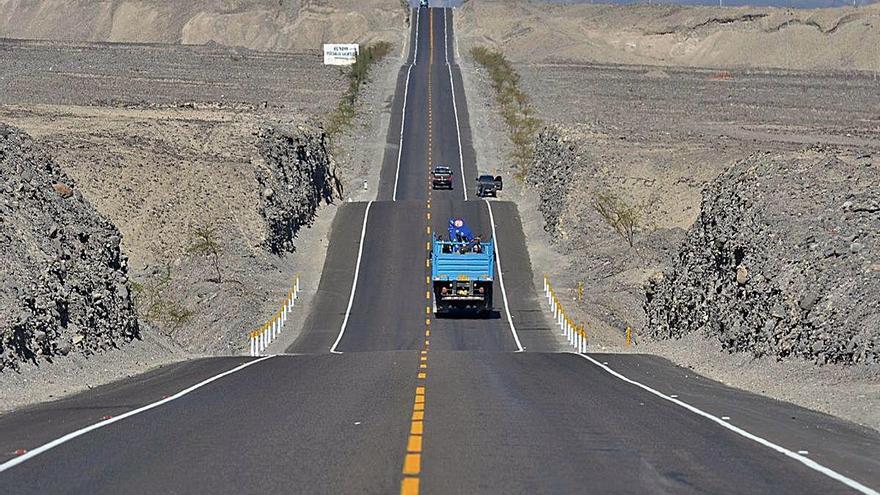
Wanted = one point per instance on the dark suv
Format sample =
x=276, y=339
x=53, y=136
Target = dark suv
x=488, y=185
x=441, y=177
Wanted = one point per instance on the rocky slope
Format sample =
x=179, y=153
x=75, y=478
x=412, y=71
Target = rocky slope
x=296, y=173
x=63, y=280
x=569, y=177
x=784, y=260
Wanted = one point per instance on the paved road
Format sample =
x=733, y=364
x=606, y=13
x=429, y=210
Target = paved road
x=407, y=403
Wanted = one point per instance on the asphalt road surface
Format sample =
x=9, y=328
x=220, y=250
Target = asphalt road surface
x=379, y=396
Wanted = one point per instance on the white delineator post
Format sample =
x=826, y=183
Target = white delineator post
x=575, y=334
x=260, y=339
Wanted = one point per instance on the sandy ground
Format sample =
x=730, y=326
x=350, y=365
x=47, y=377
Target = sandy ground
x=658, y=135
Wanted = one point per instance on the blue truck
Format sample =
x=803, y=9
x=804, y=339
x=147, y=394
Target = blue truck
x=462, y=271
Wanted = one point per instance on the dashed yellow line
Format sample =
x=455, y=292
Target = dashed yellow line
x=414, y=444
x=409, y=486
x=412, y=462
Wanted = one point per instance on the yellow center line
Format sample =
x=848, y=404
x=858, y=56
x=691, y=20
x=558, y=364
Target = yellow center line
x=414, y=444
x=409, y=486
x=412, y=462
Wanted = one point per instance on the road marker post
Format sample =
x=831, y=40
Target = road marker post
x=575, y=334
x=269, y=331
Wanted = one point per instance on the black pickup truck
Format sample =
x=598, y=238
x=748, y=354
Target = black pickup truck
x=441, y=177
x=488, y=185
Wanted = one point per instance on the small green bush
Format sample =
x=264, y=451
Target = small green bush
x=154, y=307
x=204, y=242
x=623, y=217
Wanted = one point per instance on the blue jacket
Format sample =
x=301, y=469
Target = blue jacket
x=460, y=233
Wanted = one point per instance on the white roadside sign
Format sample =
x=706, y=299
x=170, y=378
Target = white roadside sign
x=340, y=54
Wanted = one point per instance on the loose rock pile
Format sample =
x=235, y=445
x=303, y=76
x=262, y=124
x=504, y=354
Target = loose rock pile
x=784, y=260
x=63, y=281
x=551, y=173
x=295, y=174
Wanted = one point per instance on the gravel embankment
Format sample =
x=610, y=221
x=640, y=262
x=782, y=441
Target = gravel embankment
x=296, y=175
x=784, y=260
x=63, y=281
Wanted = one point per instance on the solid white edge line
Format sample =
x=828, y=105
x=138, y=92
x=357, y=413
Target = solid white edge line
x=855, y=485
x=454, y=107
x=403, y=110
x=357, y=269
x=400, y=143
x=519, y=347
x=416, y=47
x=70, y=436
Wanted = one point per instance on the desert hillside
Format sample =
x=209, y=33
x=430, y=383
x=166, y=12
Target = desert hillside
x=283, y=25
x=839, y=38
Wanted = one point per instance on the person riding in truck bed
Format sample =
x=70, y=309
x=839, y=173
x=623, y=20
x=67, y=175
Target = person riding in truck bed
x=459, y=231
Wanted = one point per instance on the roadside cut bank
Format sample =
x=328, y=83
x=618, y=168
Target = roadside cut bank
x=630, y=194
x=65, y=285
x=214, y=164
x=783, y=260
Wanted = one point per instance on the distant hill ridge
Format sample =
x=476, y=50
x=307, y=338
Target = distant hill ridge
x=285, y=25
